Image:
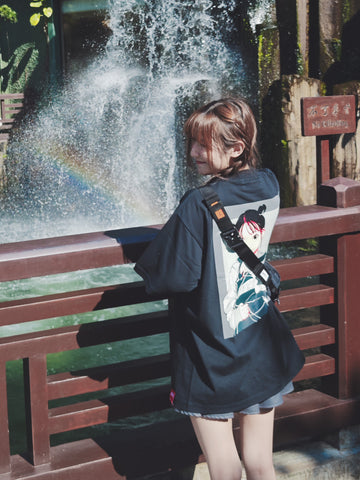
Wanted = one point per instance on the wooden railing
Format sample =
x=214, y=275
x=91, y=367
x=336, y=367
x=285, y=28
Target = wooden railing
x=331, y=348
x=11, y=104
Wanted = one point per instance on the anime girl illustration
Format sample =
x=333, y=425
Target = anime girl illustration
x=246, y=300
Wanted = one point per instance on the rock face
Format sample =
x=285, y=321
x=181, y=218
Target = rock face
x=286, y=151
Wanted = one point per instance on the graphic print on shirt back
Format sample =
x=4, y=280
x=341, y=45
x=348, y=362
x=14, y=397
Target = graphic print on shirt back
x=243, y=297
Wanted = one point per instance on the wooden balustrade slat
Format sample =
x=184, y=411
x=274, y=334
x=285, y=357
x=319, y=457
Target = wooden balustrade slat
x=314, y=336
x=80, y=415
x=13, y=106
x=306, y=297
x=108, y=376
x=305, y=266
x=318, y=365
x=71, y=303
x=80, y=336
x=94, y=412
x=12, y=96
x=36, y=407
x=4, y=423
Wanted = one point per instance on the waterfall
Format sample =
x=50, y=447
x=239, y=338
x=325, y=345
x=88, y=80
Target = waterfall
x=108, y=151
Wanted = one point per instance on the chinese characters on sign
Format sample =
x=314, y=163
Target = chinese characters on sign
x=328, y=115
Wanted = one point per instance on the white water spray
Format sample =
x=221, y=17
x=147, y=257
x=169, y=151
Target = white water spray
x=108, y=152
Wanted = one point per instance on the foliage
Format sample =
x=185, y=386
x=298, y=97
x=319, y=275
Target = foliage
x=43, y=11
x=8, y=13
x=310, y=246
x=14, y=75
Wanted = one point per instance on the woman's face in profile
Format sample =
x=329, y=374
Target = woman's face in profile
x=220, y=159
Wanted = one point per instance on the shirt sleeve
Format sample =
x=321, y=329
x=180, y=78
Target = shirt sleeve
x=172, y=262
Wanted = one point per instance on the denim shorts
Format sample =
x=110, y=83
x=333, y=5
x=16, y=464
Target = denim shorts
x=270, y=403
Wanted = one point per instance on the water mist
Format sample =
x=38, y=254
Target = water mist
x=108, y=152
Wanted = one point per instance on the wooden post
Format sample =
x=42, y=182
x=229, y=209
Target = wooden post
x=4, y=423
x=323, y=147
x=36, y=401
x=348, y=265
x=344, y=193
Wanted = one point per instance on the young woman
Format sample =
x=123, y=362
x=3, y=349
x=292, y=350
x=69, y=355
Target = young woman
x=227, y=355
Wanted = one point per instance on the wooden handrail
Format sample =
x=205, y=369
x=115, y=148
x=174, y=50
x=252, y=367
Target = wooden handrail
x=11, y=106
x=71, y=303
x=93, y=250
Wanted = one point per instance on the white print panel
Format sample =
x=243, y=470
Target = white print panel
x=243, y=298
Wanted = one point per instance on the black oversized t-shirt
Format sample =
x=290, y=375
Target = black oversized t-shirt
x=230, y=346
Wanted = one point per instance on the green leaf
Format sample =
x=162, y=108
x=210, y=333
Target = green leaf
x=35, y=19
x=48, y=12
x=36, y=4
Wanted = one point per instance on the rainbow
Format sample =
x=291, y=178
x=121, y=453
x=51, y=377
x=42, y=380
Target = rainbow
x=86, y=174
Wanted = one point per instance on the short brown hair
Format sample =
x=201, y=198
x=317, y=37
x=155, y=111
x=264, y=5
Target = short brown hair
x=224, y=123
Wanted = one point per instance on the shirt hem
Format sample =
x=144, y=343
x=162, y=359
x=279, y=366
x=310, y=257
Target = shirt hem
x=220, y=409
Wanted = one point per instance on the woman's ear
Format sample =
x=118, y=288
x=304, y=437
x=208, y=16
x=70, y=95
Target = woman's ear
x=237, y=149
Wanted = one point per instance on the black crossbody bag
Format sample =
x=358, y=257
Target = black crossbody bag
x=267, y=274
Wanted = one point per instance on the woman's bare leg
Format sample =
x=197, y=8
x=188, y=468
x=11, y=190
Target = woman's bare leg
x=256, y=434
x=217, y=443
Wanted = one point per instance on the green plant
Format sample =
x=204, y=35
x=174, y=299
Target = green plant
x=310, y=245
x=8, y=13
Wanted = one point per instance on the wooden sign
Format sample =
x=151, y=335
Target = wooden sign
x=328, y=115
